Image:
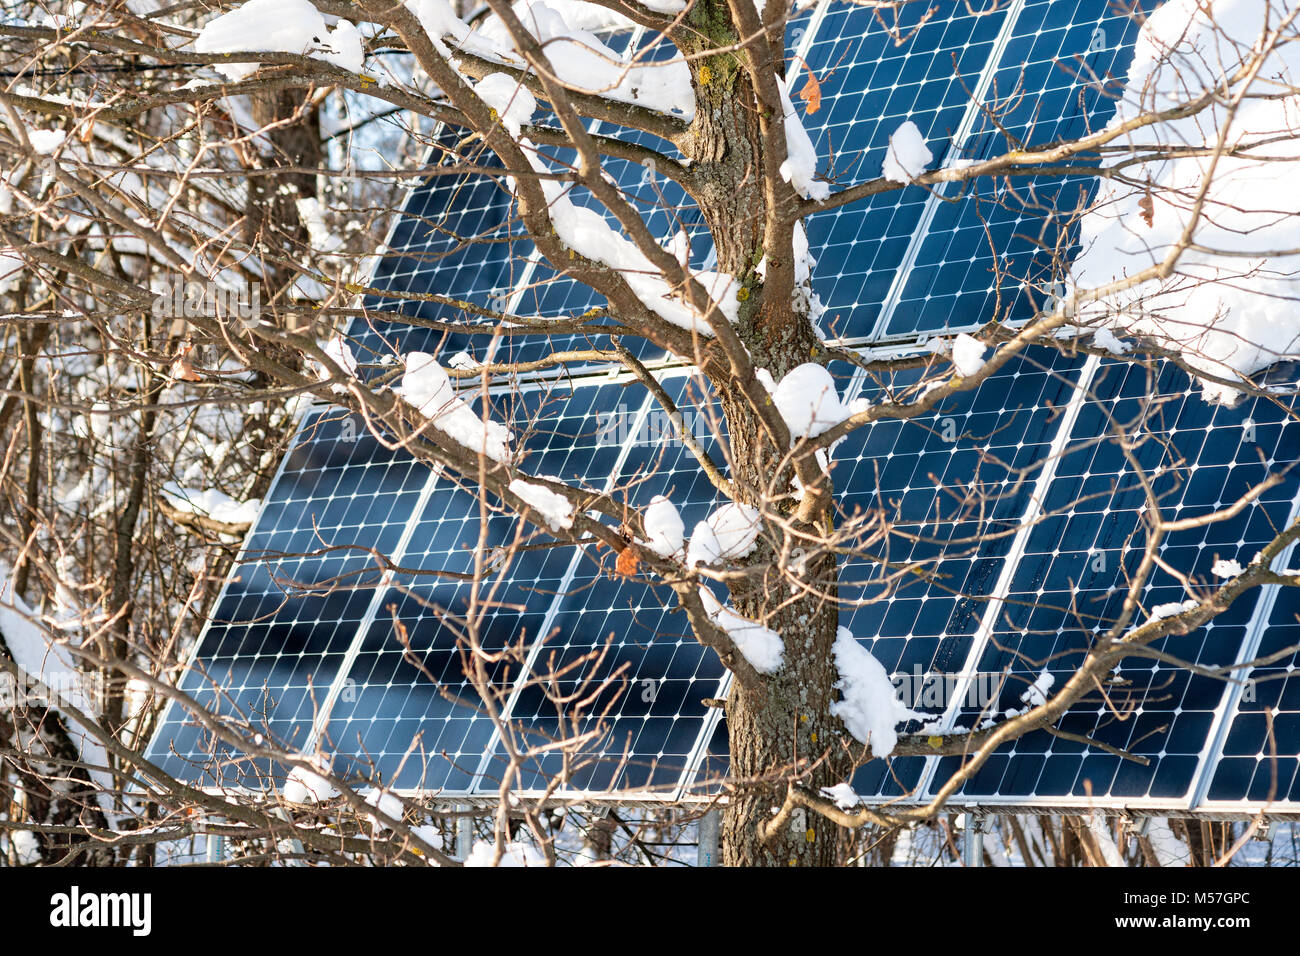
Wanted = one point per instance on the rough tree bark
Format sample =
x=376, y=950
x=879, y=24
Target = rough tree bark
x=786, y=729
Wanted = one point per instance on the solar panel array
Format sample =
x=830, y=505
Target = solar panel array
x=318, y=647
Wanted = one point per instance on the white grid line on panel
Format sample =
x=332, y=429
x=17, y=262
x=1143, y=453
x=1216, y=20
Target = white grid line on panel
x=935, y=199
x=1011, y=562
x=1227, y=711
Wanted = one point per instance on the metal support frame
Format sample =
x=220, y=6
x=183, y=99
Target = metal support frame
x=464, y=832
x=707, y=851
x=972, y=843
x=214, y=846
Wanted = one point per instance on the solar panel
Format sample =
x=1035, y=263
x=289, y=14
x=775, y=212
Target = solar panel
x=1071, y=582
x=302, y=584
x=1003, y=525
x=662, y=204
x=914, y=261
x=413, y=716
x=872, y=84
x=939, y=500
x=659, y=714
x=1257, y=762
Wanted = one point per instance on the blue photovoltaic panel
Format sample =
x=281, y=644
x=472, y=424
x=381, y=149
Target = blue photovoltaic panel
x=1264, y=713
x=458, y=237
x=906, y=262
x=649, y=686
x=547, y=290
x=411, y=714
x=463, y=228
x=296, y=596
x=1259, y=757
x=1071, y=582
x=553, y=294
x=945, y=546
x=1057, y=79
x=663, y=206
x=943, y=550
x=872, y=84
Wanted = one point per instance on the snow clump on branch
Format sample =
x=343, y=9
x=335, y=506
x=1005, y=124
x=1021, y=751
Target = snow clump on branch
x=279, y=26
x=1227, y=307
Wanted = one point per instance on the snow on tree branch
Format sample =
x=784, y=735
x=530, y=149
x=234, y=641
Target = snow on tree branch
x=1230, y=220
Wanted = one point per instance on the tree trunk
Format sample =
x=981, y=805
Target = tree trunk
x=785, y=733
x=271, y=221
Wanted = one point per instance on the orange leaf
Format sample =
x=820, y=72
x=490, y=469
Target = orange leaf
x=627, y=562
x=811, y=94
x=1148, y=209
x=181, y=369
